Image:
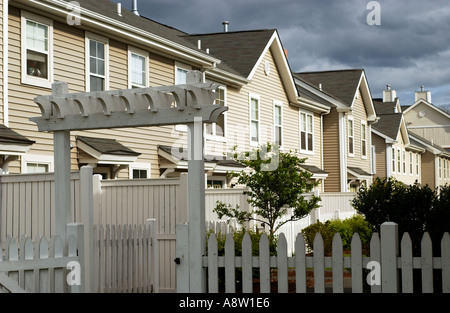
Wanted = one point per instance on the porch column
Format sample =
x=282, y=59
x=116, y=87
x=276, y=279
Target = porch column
x=196, y=206
x=61, y=140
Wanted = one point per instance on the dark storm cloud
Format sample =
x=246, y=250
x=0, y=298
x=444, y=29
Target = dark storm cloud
x=410, y=48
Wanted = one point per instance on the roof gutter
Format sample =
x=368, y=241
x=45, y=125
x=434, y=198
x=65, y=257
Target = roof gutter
x=59, y=7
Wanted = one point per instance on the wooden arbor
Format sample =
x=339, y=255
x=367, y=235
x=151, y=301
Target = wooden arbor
x=190, y=104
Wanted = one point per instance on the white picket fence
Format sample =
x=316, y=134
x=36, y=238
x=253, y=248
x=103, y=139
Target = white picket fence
x=384, y=251
x=125, y=259
x=41, y=266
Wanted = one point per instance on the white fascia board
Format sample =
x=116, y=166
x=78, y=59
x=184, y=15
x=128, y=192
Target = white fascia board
x=430, y=105
x=312, y=105
x=130, y=32
x=371, y=114
x=232, y=79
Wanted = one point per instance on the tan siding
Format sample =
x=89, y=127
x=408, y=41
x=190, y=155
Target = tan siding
x=428, y=169
x=380, y=155
x=331, y=156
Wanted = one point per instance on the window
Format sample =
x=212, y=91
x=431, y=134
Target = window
x=216, y=184
x=37, y=50
x=440, y=168
x=393, y=160
x=37, y=168
x=404, y=161
x=97, y=65
x=218, y=129
x=139, y=173
x=417, y=164
x=138, y=68
x=278, y=123
x=363, y=140
x=399, y=161
x=351, y=149
x=254, y=120
x=306, y=132
x=181, y=71
x=410, y=163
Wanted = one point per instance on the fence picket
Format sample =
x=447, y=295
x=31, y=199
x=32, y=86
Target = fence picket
x=43, y=273
x=57, y=251
x=356, y=259
x=319, y=264
x=407, y=264
x=230, y=276
x=427, y=263
x=300, y=264
x=13, y=255
x=247, y=264
x=264, y=264
x=282, y=265
x=445, y=254
x=338, y=264
x=375, y=255
x=213, y=272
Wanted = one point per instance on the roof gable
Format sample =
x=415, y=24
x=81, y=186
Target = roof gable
x=421, y=107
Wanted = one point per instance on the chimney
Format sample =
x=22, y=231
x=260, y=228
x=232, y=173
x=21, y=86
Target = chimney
x=119, y=9
x=134, y=8
x=423, y=94
x=225, y=26
x=389, y=95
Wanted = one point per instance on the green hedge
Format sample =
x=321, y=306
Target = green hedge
x=346, y=228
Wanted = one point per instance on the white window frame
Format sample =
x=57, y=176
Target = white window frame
x=142, y=53
x=394, y=160
x=39, y=159
x=417, y=164
x=185, y=67
x=25, y=78
x=91, y=36
x=364, y=139
x=404, y=161
x=411, y=164
x=214, y=136
x=258, y=98
x=139, y=166
x=350, y=118
x=307, y=113
x=280, y=105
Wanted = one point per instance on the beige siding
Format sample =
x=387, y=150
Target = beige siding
x=331, y=157
x=268, y=88
x=359, y=114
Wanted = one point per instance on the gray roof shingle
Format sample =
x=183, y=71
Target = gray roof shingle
x=7, y=135
x=339, y=84
x=107, y=146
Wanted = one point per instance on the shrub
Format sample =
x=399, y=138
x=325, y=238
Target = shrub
x=346, y=228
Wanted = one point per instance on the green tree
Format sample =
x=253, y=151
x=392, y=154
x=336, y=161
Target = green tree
x=275, y=182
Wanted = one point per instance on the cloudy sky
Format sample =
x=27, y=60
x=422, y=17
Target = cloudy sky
x=410, y=47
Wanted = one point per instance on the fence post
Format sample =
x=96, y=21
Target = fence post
x=87, y=219
x=77, y=230
x=154, y=254
x=97, y=198
x=389, y=253
x=182, y=258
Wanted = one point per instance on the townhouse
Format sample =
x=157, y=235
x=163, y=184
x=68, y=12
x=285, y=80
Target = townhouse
x=347, y=147
x=109, y=48
x=407, y=138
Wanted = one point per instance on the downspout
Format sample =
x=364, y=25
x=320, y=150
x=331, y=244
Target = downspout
x=5, y=63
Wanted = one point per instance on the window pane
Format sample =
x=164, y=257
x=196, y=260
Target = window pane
x=137, y=173
x=138, y=70
x=350, y=145
x=97, y=83
x=254, y=131
x=278, y=136
x=37, y=168
x=181, y=76
x=37, y=64
x=254, y=109
x=209, y=129
x=92, y=48
x=309, y=124
x=310, y=142
x=303, y=140
x=37, y=36
x=100, y=67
